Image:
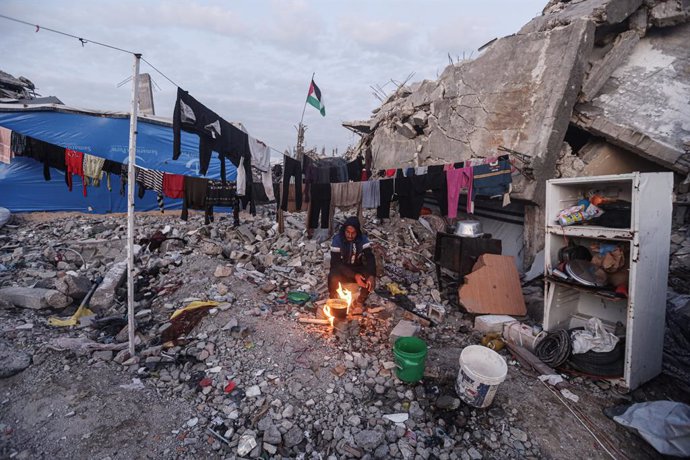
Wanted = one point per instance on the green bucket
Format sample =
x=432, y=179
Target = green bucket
x=410, y=353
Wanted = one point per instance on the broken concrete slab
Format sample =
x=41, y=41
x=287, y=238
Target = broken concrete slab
x=602, y=69
x=670, y=13
x=643, y=106
x=493, y=287
x=34, y=298
x=104, y=296
x=73, y=286
x=599, y=11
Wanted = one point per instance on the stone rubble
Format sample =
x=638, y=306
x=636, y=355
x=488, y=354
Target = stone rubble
x=263, y=384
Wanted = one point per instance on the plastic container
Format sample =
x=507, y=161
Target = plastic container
x=481, y=372
x=410, y=357
x=522, y=335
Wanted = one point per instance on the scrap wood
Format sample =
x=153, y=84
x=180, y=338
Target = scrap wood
x=493, y=287
x=83, y=345
x=314, y=321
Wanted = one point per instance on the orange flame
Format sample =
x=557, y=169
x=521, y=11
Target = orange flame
x=345, y=295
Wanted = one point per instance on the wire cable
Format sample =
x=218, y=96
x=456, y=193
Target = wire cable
x=82, y=40
x=554, y=349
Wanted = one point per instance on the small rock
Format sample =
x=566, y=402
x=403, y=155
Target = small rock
x=293, y=437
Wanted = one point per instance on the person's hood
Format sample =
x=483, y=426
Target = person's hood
x=351, y=221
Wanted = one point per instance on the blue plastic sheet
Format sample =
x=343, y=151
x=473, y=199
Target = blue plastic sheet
x=23, y=189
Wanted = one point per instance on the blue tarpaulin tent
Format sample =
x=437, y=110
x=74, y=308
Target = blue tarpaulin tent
x=103, y=134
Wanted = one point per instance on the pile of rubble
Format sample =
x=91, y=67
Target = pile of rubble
x=260, y=382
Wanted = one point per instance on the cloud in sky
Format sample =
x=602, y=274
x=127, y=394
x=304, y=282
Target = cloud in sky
x=251, y=60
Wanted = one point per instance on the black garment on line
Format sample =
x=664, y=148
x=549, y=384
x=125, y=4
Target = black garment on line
x=52, y=156
x=354, y=170
x=384, y=209
x=411, y=192
x=293, y=168
x=214, y=133
x=436, y=182
x=320, y=205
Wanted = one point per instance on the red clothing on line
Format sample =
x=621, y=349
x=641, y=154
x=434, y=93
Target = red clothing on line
x=173, y=185
x=75, y=165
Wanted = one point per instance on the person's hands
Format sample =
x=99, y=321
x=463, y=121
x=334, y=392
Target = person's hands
x=371, y=283
x=361, y=281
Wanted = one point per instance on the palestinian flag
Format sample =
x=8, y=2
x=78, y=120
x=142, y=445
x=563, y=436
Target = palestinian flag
x=314, y=98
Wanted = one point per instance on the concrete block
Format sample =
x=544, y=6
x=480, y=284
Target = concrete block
x=34, y=298
x=404, y=329
x=105, y=293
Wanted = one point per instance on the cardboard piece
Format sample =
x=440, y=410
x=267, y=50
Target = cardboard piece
x=493, y=287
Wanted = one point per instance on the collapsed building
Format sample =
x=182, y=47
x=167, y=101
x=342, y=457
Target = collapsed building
x=590, y=87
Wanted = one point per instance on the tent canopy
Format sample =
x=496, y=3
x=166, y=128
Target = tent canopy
x=103, y=134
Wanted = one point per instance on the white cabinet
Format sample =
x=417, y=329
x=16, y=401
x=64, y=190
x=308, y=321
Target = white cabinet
x=646, y=244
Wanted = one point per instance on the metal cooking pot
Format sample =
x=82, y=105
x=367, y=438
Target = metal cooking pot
x=471, y=228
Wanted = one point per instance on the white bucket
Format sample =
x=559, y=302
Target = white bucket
x=481, y=372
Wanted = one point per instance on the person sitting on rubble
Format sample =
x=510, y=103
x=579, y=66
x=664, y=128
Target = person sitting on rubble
x=352, y=261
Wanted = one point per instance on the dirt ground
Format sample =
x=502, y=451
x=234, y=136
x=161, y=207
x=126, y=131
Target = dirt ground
x=69, y=406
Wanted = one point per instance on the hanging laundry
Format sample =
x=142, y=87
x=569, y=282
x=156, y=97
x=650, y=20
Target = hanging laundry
x=319, y=206
x=111, y=167
x=293, y=168
x=371, y=194
x=215, y=134
x=173, y=185
x=493, y=179
x=354, y=169
x=93, y=169
x=345, y=195
x=149, y=179
x=5, y=145
x=52, y=156
x=75, y=165
x=457, y=180
x=386, y=190
x=267, y=183
x=410, y=191
x=220, y=194
x=241, y=179
x=437, y=183
x=194, y=196
x=261, y=154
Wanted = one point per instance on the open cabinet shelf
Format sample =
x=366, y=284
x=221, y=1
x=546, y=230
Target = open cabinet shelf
x=646, y=247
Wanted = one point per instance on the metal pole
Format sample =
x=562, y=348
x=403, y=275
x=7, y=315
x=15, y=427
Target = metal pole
x=130, y=202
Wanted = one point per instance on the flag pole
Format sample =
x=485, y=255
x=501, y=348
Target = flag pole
x=130, y=203
x=305, y=101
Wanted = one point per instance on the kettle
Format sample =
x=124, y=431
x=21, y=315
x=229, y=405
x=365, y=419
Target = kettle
x=469, y=228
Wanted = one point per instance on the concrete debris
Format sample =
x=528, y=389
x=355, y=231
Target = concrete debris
x=34, y=298
x=254, y=375
x=670, y=13
x=104, y=296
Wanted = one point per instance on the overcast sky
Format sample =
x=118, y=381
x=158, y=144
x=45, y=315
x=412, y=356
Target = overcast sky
x=251, y=61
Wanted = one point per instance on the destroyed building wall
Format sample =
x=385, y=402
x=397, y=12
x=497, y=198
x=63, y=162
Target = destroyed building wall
x=616, y=68
x=519, y=94
x=645, y=106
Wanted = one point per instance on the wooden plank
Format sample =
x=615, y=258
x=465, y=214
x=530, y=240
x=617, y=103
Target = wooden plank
x=493, y=287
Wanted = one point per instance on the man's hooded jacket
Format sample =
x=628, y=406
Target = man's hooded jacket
x=352, y=258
